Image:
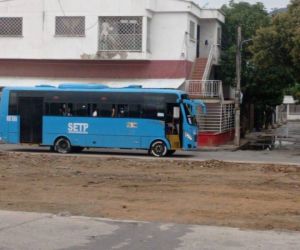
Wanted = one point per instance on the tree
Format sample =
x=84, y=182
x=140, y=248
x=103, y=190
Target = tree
x=271, y=63
x=278, y=46
x=250, y=18
x=276, y=56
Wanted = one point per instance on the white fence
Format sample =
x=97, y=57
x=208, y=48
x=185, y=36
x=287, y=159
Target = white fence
x=287, y=112
x=219, y=117
x=205, y=89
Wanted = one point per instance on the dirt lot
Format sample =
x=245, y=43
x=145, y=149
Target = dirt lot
x=211, y=193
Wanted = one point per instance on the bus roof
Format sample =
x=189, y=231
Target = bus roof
x=96, y=88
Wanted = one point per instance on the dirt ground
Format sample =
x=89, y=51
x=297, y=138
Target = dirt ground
x=208, y=193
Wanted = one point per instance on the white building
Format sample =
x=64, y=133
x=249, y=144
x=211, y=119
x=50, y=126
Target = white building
x=154, y=42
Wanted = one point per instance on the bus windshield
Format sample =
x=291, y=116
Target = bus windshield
x=189, y=115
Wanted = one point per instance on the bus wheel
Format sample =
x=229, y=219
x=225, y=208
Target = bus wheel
x=171, y=152
x=158, y=149
x=63, y=146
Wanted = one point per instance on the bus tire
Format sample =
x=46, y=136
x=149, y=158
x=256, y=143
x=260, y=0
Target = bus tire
x=158, y=149
x=62, y=145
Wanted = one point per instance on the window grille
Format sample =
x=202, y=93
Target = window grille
x=192, y=30
x=11, y=26
x=120, y=33
x=70, y=26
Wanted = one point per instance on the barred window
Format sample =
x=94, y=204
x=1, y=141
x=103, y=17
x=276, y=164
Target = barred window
x=120, y=33
x=70, y=26
x=11, y=26
x=192, y=30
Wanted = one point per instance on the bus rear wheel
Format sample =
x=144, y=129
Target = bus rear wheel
x=158, y=149
x=62, y=146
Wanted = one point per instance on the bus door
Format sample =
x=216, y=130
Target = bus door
x=31, y=119
x=174, y=125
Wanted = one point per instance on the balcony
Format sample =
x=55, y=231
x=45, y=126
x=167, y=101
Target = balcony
x=205, y=89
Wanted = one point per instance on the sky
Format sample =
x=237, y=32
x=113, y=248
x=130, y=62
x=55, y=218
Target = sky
x=269, y=4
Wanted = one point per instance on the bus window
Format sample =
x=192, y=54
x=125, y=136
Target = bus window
x=13, y=107
x=94, y=110
x=190, y=118
x=152, y=111
x=81, y=110
x=107, y=110
x=54, y=109
x=123, y=110
x=134, y=111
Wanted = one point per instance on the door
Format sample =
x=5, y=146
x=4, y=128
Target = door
x=31, y=119
x=198, y=41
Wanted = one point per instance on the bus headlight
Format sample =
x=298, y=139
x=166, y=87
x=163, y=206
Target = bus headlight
x=188, y=136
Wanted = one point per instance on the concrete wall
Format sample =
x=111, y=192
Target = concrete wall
x=209, y=33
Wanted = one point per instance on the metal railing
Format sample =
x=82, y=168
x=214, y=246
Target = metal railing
x=219, y=118
x=205, y=89
x=210, y=60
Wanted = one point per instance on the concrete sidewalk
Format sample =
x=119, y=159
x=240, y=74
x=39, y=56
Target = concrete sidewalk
x=31, y=231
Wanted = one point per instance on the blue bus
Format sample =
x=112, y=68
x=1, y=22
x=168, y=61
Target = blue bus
x=71, y=117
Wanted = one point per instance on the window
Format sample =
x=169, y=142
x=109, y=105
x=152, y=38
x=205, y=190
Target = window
x=120, y=33
x=11, y=26
x=13, y=106
x=123, y=110
x=71, y=26
x=153, y=111
x=59, y=109
x=134, y=111
x=107, y=110
x=192, y=30
x=81, y=110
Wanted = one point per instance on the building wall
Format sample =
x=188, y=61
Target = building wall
x=39, y=40
x=169, y=24
x=167, y=50
x=159, y=69
x=208, y=35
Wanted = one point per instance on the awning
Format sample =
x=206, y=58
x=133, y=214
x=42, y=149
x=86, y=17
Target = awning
x=113, y=83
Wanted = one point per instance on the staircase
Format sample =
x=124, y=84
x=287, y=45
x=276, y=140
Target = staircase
x=199, y=69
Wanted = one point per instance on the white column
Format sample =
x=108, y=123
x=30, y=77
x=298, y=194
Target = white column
x=145, y=32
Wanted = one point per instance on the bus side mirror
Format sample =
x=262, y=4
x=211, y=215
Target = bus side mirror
x=176, y=112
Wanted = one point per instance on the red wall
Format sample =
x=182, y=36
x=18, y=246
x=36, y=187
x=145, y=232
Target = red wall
x=206, y=139
x=95, y=69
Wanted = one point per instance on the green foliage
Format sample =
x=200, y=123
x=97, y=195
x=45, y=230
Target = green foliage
x=295, y=92
x=271, y=62
x=278, y=46
x=250, y=18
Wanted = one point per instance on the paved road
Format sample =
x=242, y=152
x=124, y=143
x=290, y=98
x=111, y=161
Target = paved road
x=285, y=156
x=32, y=231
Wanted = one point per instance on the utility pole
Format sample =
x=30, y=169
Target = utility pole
x=237, y=138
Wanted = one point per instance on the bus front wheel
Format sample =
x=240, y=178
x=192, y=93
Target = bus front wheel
x=158, y=149
x=62, y=145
